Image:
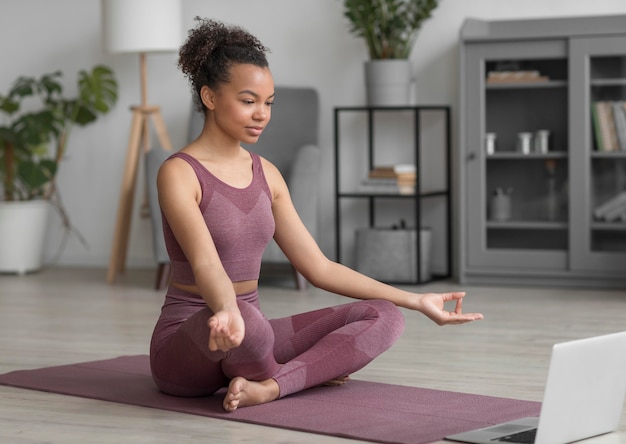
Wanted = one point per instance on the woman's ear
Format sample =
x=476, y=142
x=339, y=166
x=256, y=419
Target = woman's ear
x=207, y=95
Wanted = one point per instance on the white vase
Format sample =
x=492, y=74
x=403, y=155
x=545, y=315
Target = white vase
x=388, y=82
x=22, y=235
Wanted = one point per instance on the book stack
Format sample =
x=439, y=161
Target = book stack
x=391, y=179
x=609, y=125
x=504, y=77
x=613, y=210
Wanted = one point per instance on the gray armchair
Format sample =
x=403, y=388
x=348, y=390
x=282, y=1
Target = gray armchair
x=291, y=143
x=153, y=160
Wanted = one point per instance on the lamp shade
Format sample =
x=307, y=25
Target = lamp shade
x=141, y=25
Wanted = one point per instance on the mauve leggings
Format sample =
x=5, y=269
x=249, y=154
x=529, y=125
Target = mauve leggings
x=299, y=351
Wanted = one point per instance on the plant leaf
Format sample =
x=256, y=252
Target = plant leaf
x=50, y=85
x=98, y=93
x=9, y=105
x=23, y=87
x=35, y=176
x=84, y=115
x=37, y=128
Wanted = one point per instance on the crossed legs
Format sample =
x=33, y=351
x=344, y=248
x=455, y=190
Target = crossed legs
x=277, y=357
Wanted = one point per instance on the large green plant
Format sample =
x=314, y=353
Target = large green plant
x=389, y=27
x=35, y=124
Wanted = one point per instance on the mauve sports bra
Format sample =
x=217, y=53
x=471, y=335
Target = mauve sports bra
x=240, y=221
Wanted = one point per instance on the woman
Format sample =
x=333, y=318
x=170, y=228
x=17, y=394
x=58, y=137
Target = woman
x=221, y=205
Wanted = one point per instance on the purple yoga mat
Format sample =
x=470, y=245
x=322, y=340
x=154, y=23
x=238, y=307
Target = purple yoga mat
x=362, y=410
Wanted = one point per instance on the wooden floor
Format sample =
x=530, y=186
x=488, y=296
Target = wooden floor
x=61, y=316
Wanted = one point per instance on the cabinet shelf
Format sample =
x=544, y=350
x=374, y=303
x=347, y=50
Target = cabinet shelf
x=527, y=85
x=608, y=82
x=608, y=154
x=608, y=226
x=527, y=225
x=503, y=155
x=365, y=194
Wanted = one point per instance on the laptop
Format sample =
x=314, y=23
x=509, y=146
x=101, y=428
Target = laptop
x=584, y=396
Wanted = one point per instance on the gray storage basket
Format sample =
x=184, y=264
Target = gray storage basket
x=388, y=254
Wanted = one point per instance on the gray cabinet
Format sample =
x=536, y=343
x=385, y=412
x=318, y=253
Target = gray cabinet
x=530, y=171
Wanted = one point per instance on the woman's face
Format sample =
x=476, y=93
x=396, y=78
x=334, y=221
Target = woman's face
x=242, y=108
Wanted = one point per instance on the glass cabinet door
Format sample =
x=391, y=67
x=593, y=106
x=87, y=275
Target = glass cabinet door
x=518, y=151
x=598, y=237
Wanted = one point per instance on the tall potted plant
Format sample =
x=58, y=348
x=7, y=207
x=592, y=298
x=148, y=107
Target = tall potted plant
x=35, y=124
x=390, y=29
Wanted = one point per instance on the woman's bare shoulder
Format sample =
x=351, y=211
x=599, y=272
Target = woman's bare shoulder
x=176, y=175
x=174, y=165
x=271, y=171
x=273, y=176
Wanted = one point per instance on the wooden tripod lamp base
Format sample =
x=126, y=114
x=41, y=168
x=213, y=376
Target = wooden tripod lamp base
x=138, y=134
x=138, y=27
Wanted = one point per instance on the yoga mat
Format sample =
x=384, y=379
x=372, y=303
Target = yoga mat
x=362, y=410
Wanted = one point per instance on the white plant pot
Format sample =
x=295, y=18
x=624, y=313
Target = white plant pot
x=388, y=82
x=22, y=235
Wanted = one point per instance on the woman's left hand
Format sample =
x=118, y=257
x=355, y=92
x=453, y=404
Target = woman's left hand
x=432, y=305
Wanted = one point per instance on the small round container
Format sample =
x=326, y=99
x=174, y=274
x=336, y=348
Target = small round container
x=524, y=142
x=490, y=143
x=500, y=206
x=542, y=141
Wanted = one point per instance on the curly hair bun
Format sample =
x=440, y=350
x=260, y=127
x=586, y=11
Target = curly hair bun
x=212, y=48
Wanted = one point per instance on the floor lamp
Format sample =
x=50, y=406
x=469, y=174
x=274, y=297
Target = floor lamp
x=140, y=27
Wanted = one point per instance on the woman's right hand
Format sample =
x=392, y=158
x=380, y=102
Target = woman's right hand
x=227, y=330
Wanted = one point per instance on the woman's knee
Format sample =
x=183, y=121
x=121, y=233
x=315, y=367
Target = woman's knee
x=391, y=317
x=254, y=358
x=259, y=335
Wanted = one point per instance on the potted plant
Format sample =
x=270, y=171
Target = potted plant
x=35, y=124
x=390, y=29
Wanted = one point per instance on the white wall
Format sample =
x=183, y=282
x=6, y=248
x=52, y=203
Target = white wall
x=310, y=45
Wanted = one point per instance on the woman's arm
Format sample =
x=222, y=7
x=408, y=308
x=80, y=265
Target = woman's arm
x=179, y=195
x=305, y=255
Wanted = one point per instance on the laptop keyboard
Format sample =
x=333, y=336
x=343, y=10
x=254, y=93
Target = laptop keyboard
x=525, y=437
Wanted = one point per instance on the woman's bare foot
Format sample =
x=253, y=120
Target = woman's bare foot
x=337, y=381
x=244, y=393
